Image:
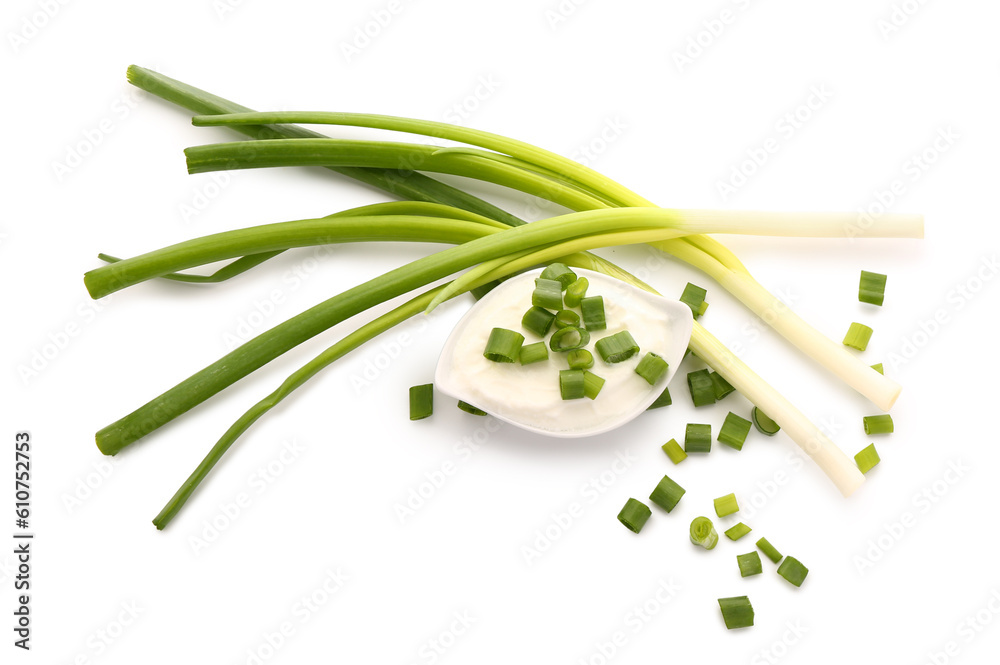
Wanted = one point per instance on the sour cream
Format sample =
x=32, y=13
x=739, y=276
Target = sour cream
x=528, y=395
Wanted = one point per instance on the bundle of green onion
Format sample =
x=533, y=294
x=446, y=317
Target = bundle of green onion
x=490, y=244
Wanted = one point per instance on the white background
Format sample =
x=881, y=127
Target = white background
x=599, y=81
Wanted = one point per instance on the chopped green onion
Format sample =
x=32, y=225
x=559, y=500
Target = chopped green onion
x=793, y=570
x=726, y=505
x=652, y=367
x=702, y=309
x=634, y=515
x=674, y=451
x=749, y=564
x=703, y=533
x=534, y=353
x=568, y=339
x=694, y=297
x=737, y=531
x=857, y=336
x=878, y=368
x=538, y=321
x=768, y=550
x=701, y=387
x=566, y=318
x=468, y=408
x=698, y=438
x=616, y=348
x=592, y=308
x=867, y=458
x=576, y=292
x=734, y=431
x=872, y=288
x=592, y=384
x=480, y=291
x=547, y=294
x=421, y=401
x=720, y=386
x=580, y=359
x=881, y=424
x=737, y=612
x=571, y=383
x=561, y=273
x=763, y=424
x=503, y=346
x=667, y=494
x=662, y=400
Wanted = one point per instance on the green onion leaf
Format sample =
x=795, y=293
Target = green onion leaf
x=881, y=424
x=726, y=505
x=872, y=288
x=468, y=408
x=867, y=458
x=616, y=348
x=793, y=570
x=698, y=438
x=694, y=297
x=538, y=321
x=576, y=292
x=547, y=294
x=662, y=400
x=667, y=494
x=734, y=431
x=533, y=353
x=569, y=339
x=737, y=531
x=566, y=318
x=769, y=551
x=421, y=401
x=720, y=386
x=571, y=383
x=701, y=387
x=857, y=336
x=652, y=367
x=737, y=612
x=703, y=533
x=592, y=384
x=749, y=564
x=592, y=309
x=674, y=451
x=580, y=359
x=634, y=515
x=763, y=424
x=561, y=273
x=503, y=346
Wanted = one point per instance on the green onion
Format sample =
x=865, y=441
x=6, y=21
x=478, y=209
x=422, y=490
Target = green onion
x=576, y=292
x=698, y=438
x=720, y=386
x=703, y=533
x=580, y=359
x=872, y=288
x=878, y=368
x=793, y=571
x=701, y=387
x=561, y=273
x=881, y=424
x=421, y=401
x=769, y=551
x=674, y=451
x=592, y=384
x=592, y=308
x=547, y=294
x=667, y=494
x=737, y=612
x=652, y=367
x=533, y=353
x=702, y=309
x=749, y=564
x=662, y=400
x=694, y=297
x=481, y=291
x=734, y=431
x=538, y=321
x=569, y=339
x=616, y=348
x=566, y=318
x=571, y=383
x=858, y=336
x=503, y=346
x=763, y=424
x=468, y=408
x=737, y=531
x=634, y=515
x=867, y=458
x=726, y=505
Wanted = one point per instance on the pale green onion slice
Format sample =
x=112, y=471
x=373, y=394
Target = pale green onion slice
x=421, y=401
x=720, y=386
x=547, y=294
x=867, y=458
x=703, y=533
x=749, y=564
x=568, y=339
x=763, y=424
x=726, y=505
x=663, y=400
x=666, y=494
x=872, y=288
x=881, y=424
x=769, y=551
x=634, y=515
x=538, y=321
x=652, y=368
x=793, y=571
x=592, y=384
x=566, y=318
x=534, y=353
x=616, y=348
x=694, y=297
x=468, y=408
x=674, y=451
x=592, y=308
x=698, y=438
x=701, y=387
x=561, y=273
x=580, y=359
x=734, y=431
x=571, y=384
x=858, y=336
x=737, y=531
x=737, y=612
x=503, y=346
x=576, y=292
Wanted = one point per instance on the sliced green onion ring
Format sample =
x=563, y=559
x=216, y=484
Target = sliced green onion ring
x=421, y=401
x=634, y=515
x=569, y=338
x=616, y=348
x=872, y=288
x=737, y=612
x=576, y=292
x=881, y=424
x=567, y=318
x=547, y=294
x=533, y=353
x=698, y=438
x=538, y=321
x=674, y=451
x=701, y=387
x=580, y=359
x=503, y=346
x=592, y=308
x=763, y=423
x=734, y=431
x=652, y=368
x=703, y=533
x=666, y=494
x=561, y=273
x=858, y=336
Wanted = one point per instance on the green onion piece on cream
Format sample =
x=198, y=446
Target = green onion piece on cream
x=503, y=346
